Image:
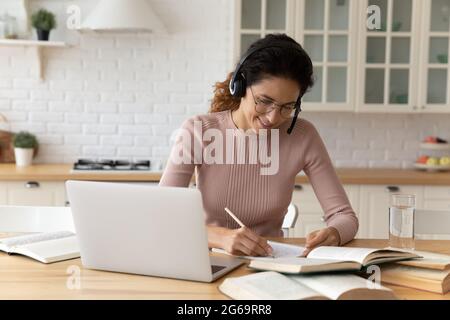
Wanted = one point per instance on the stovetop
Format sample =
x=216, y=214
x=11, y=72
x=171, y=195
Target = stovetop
x=111, y=165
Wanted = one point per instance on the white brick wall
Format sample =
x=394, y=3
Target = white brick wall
x=122, y=96
x=377, y=140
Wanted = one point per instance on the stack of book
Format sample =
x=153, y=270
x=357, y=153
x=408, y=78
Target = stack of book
x=431, y=273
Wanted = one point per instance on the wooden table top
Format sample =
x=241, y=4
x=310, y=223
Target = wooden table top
x=24, y=278
x=62, y=172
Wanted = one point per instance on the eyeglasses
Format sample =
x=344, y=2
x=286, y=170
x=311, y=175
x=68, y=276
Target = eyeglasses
x=264, y=106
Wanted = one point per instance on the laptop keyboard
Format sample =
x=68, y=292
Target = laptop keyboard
x=215, y=268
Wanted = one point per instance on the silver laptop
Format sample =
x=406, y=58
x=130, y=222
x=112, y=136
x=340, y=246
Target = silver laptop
x=142, y=229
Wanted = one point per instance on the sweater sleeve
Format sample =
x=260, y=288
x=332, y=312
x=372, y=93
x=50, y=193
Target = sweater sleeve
x=181, y=163
x=328, y=188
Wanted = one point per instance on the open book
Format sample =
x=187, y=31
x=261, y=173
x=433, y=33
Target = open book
x=429, y=260
x=280, y=250
x=275, y=286
x=45, y=247
x=326, y=259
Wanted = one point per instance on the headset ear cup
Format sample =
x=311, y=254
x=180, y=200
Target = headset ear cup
x=240, y=87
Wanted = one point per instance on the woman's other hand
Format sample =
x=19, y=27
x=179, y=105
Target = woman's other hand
x=324, y=237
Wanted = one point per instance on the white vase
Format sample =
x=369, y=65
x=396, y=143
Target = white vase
x=24, y=156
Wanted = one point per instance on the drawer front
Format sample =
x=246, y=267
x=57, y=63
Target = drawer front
x=438, y=205
x=439, y=193
x=36, y=193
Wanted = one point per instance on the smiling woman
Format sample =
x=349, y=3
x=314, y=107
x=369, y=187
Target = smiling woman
x=263, y=94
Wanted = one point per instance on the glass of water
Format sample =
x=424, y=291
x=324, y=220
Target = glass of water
x=401, y=221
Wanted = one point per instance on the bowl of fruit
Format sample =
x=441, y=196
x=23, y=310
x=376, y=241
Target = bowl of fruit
x=433, y=163
x=435, y=143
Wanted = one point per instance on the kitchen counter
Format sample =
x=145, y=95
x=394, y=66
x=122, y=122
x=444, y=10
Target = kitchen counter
x=62, y=172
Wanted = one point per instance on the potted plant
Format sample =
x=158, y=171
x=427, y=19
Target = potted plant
x=25, y=145
x=44, y=21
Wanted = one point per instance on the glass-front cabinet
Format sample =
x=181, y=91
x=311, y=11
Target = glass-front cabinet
x=256, y=18
x=325, y=28
x=434, y=80
x=389, y=56
x=368, y=55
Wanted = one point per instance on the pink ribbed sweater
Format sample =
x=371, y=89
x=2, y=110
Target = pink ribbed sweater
x=261, y=201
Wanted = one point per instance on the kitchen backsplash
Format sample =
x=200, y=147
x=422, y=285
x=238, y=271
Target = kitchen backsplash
x=122, y=96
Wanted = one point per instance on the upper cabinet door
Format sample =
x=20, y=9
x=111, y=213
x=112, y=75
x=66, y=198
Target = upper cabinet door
x=326, y=29
x=435, y=93
x=256, y=18
x=388, y=55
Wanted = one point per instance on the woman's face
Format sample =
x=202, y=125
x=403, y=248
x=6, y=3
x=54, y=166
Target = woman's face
x=268, y=92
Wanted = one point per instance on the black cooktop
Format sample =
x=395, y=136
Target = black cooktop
x=111, y=165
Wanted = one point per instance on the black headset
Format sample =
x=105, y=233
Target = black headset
x=238, y=85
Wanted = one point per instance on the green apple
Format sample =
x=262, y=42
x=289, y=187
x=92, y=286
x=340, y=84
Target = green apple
x=432, y=161
x=445, y=161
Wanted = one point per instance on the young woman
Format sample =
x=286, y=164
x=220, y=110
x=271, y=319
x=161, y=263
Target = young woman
x=264, y=92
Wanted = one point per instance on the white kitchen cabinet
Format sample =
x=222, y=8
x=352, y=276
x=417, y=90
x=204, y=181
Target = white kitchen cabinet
x=434, y=94
x=311, y=215
x=256, y=18
x=436, y=198
x=371, y=205
x=404, y=67
x=401, y=66
x=33, y=193
x=389, y=57
x=327, y=31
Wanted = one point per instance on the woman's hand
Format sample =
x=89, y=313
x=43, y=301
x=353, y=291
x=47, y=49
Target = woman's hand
x=325, y=237
x=241, y=242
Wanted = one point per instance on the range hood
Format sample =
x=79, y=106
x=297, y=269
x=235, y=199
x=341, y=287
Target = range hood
x=123, y=16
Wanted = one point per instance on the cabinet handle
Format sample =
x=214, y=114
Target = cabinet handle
x=32, y=184
x=415, y=108
x=298, y=187
x=423, y=107
x=392, y=189
x=67, y=204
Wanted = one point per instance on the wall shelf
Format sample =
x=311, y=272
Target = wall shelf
x=35, y=47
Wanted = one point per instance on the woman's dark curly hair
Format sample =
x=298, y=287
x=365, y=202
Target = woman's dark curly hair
x=292, y=63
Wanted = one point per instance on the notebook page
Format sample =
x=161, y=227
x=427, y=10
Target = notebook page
x=341, y=253
x=284, y=250
x=273, y=286
x=280, y=250
x=334, y=285
x=35, y=237
x=51, y=250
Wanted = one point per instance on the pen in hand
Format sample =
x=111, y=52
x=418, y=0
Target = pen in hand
x=239, y=222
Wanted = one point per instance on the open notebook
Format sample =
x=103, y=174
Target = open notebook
x=275, y=286
x=46, y=247
x=326, y=259
x=280, y=250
